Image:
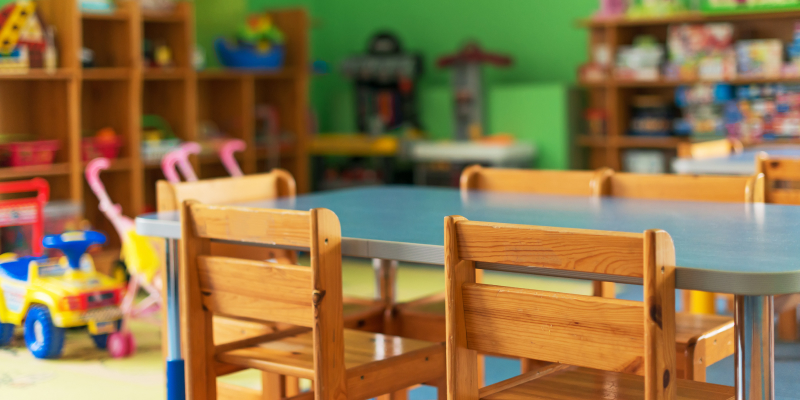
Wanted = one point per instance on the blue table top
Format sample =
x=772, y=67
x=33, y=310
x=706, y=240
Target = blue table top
x=721, y=247
x=735, y=164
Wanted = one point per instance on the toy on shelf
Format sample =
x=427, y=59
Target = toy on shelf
x=611, y=9
x=97, y=6
x=596, y=121
x=764, y=112
x=47, y=296
x=703, y=108
x=385, y=85
x=468, y=87
x=105, y=143
x=259, y=44
x=715, y=6
x=270, y=140
x=158, y=139
x=702, y=51
x=25, y=153
x=760, y=58
x=59, y=216
x=157, y=54
x=654, y=8
x=140, y=258
x=597, y=69
x=25, y=41
x=650, y=116
x=641, y=61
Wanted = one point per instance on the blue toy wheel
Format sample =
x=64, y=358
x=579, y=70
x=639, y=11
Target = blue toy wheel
x=6, y=333
x=43, y=339
x=100, y=341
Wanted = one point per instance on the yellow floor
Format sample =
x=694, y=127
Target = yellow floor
x=84, y=373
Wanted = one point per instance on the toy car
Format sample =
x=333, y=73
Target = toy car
x=49, y=295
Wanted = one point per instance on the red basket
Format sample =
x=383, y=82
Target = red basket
x=23, y=154
x=105, y=147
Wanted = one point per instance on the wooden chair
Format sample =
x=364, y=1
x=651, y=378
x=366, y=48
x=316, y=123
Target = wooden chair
x=603, y=348
x=735, y=189
x=694, y=345
x=710, y=149
x=342, y=363
x=782, y=186
x=359, y=313
x=424, y=318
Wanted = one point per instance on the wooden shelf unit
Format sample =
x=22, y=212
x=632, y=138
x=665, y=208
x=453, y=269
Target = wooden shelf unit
x=71, y=101
x=615, y=95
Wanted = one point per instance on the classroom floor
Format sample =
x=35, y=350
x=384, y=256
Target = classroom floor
x=84, y=373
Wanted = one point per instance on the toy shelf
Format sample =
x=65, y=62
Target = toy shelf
x=60, y=74
x=59, y=169
x=74, y=101
x=615, y=96
x=692, y=17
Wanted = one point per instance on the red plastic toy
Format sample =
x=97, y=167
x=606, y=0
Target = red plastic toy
x=26, y=211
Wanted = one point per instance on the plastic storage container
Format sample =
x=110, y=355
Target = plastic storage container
x=101, y=147
x=23, y=154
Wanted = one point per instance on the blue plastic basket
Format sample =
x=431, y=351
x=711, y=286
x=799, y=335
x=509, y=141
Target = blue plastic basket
x=243, y=57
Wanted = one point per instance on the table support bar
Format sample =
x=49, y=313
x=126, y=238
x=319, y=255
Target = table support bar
x=754, y=342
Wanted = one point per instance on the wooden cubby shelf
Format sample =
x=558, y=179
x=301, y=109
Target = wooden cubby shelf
x=73, y=102
x=615, y=96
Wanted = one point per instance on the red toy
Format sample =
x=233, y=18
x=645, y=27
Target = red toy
x=26, y=211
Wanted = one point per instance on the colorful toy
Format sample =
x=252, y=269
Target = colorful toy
x=764, y=112
x=140, y=257
x=105, y=143
x=28, y=153
x=641, y=61
x=260, y=44
x=24, y=40
x=703, y=109
x=158, y=138
x=49, y=295
x=654, y=8
x=385, y=85
x=468, y=87
x=611, y=8
x=701, y=50
x=760, y=58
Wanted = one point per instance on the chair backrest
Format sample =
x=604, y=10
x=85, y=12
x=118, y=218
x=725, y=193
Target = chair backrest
x=781, y=178
x=261, y=291
x=594, y=332
x=582, y=183
x=740, y=189
x=276, y=183
x=710, y=149
x=271, y=185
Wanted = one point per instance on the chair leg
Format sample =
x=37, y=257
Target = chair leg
x=604, y=289
x=787, y=325
x=441, y=389
x=401, y=394
x=271, y=386
x=291, y=385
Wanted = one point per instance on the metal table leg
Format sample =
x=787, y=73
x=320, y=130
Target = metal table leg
x=176, y=383
x=754, y=342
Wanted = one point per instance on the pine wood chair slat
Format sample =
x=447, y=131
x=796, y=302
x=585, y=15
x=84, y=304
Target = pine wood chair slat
x=736, y=189
x=342, y=364
x=362, y=314
x=587, y=332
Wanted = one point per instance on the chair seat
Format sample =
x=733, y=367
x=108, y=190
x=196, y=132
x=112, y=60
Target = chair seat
x=372, y=360
x=585, y=383
x=690, y=327
x=363, y=314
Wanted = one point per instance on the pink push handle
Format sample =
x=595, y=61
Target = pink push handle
x=178, y=159
x=92, y=173
x=226, y=154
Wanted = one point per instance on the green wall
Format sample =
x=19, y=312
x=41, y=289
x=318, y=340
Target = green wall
x=541, y=35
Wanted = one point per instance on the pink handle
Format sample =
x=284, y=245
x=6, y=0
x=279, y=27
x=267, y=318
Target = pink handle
x=180, y=158
x=93, y=177
x=183, y=163
x=227, y=157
